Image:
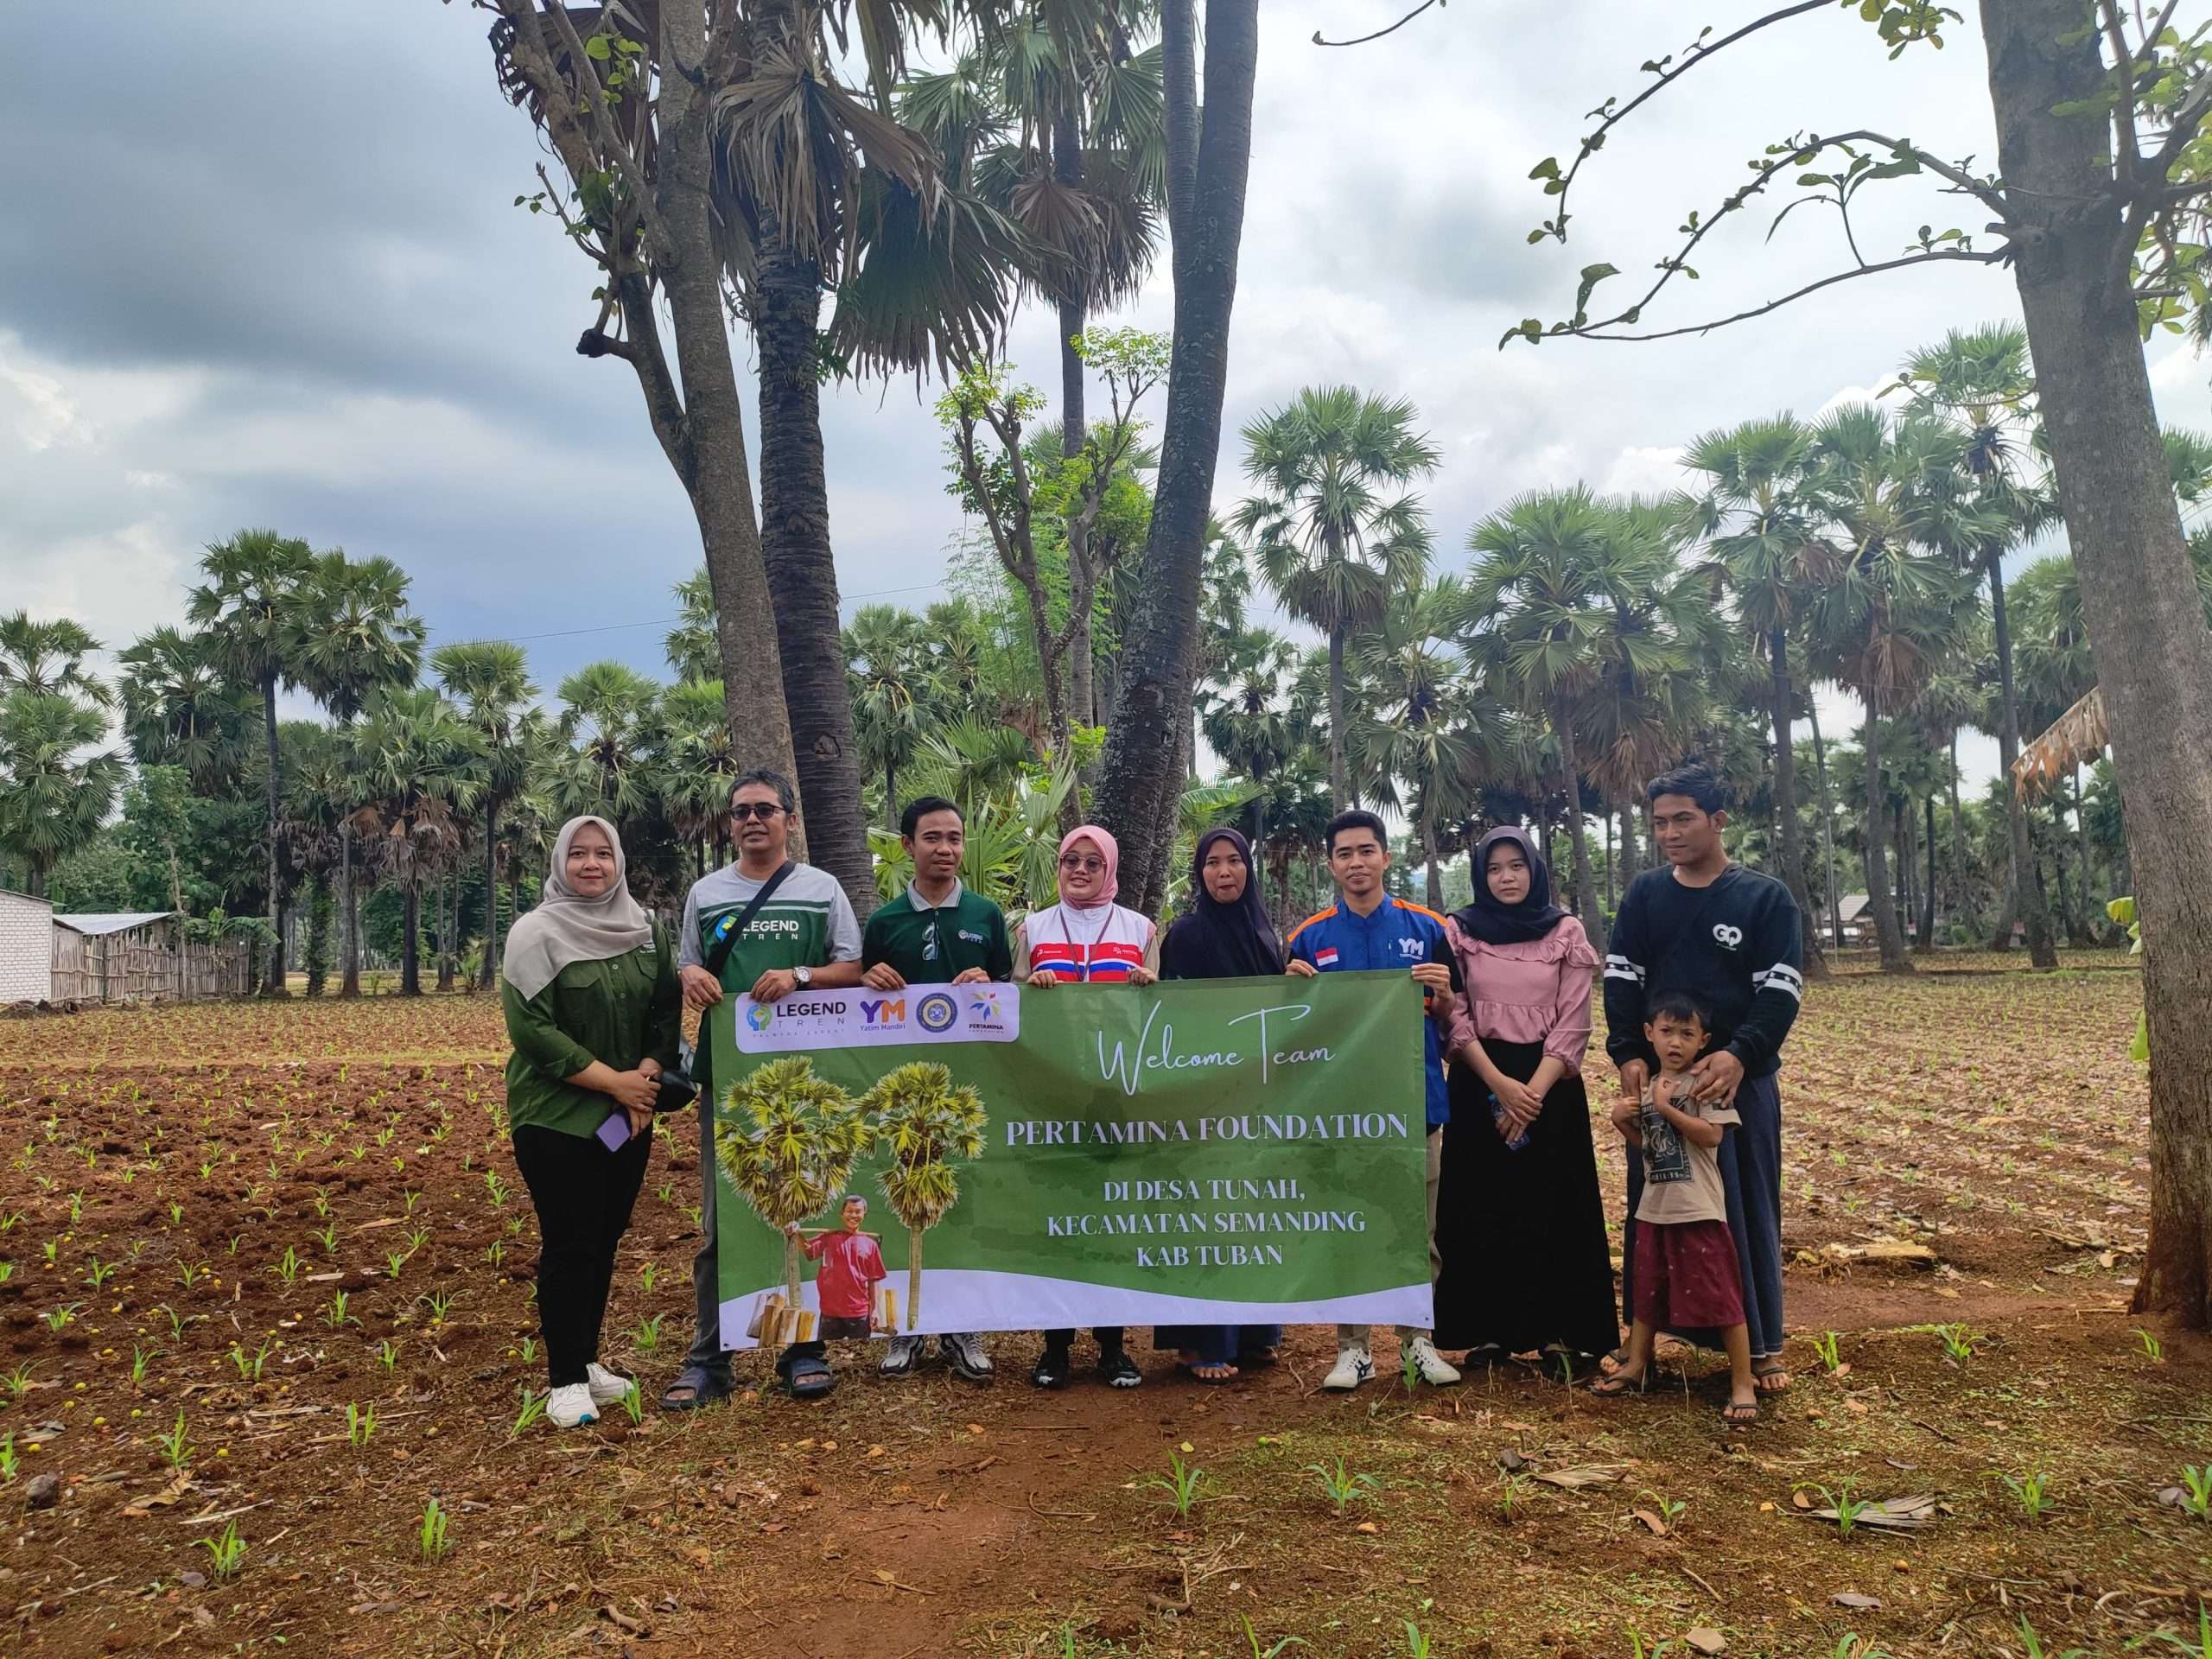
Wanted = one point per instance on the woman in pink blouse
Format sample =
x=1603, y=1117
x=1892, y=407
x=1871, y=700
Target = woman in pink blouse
x=1520, y=1224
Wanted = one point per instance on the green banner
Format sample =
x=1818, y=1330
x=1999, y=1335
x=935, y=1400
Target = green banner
x=1200, y=1151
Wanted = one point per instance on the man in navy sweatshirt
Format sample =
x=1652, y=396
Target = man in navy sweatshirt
x=1729, y=937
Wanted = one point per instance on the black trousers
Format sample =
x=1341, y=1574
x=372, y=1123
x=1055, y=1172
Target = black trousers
x=583, y=1195
x=1108, y=1336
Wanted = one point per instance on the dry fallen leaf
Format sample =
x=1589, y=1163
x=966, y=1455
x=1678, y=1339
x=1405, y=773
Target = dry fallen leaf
x=1658, y=1527
x=1367, y=1527
x=1706, y=1639
x=1584, y=1474
x=1853, y=1598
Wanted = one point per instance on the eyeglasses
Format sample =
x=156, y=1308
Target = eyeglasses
x=1082, y=864
x=763, y=811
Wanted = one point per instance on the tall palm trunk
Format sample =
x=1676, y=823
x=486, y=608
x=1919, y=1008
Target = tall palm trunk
x=448, y=902
x=1209, y=161
x=2042, y=952
x=914, y=1276
x=1631, y=846
x=1783, y=710
x=1928, y=888
x=1339, y=773
x=2081, y=846
x=891, y=794
x=318, y=941
x=1612, y=867
x=1586, y=894
x=349, y=980
x=273, y=984
x=1879, y=899
x=1827, y=824
x=487, y=975
x=1962, y=900
x=802, y=569
x=1435, y=888
x=411, y=922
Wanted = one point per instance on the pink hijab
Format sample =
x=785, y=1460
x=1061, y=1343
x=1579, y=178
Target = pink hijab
x=1108, y=849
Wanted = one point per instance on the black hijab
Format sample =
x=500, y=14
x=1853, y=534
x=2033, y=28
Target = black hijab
x=1494, y=923
x=1219, y=941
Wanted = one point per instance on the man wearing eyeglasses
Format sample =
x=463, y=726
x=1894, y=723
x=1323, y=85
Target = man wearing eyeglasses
x=803, y=936
x=941, y=933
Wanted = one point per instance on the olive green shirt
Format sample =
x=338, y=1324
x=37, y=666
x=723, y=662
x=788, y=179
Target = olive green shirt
x=617, y=1011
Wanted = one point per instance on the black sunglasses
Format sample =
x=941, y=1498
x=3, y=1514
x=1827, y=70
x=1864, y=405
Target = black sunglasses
x=763, y=811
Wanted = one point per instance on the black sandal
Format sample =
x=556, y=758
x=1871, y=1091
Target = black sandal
x=805, y=1377
x=1740, y=1413
x=1615, y=1385
x=1255, y=1359
x=701, y=1386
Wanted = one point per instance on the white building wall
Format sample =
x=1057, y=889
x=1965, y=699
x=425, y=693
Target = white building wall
x=26, y=949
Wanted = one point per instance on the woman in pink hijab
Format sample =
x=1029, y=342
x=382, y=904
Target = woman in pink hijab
x=1085, y=939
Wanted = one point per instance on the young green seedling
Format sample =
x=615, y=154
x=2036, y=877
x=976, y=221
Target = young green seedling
x=360, y=1423
x=175, y=1446
x=533, y=1407
x=2154, y=1350
x=2033, y=1648
x=1824, y=1349
x=1252, y=1640
x=1343, y=1490
x=1847, y=1508
x=431, y=1535
x=1183, y=1484
x=2033, y=1491
x=387, y=1355
x=646, y=1338
x=228, y=1552
x=2196, y=1490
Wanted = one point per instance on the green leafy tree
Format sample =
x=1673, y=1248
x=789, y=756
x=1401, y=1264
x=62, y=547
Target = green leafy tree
x=180, y=708
x=490, y=680
x=889, y=652
x=1763, y=531
x=420, y=765
x=353, y=637
x=53, y=795
x=1332, y=526
x=608, y=719
x=49, y=658
x=925, y=1125
x=786, y=1141
x=250, y=604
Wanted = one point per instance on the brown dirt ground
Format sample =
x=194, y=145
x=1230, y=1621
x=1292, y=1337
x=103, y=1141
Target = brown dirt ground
x=174, y=1156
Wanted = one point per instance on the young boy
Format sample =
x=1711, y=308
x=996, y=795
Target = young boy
x=1686, y=1271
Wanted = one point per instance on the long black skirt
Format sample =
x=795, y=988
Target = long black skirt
x=1522, y=1234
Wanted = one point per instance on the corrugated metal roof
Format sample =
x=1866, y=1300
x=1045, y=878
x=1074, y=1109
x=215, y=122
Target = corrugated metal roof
x=113, y=921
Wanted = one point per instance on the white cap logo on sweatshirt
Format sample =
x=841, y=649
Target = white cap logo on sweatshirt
x=1726, y=936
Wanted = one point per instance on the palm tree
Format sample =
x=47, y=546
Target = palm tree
x=319, y=809
x=54, y=796
x=490, y=679
x=1981, y=382
x=1057, y=122
x=1425, y=729
x=1248, y=721
x=421, y=764
x=1334, y=534
x=1547, y=569
x=1891, y=615
x=888, y=654
x=700, y=762
x=608, y=719
x=694, y=653
x=249, y=604
x=925, y=1124
x=353, y=637
x=1763, y=535
x=48, y=657
x=180, y=709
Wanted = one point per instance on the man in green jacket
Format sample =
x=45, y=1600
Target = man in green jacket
x=804, y=938
x=939, y=933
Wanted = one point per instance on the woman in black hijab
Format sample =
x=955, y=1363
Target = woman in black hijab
x=1520, y=1225
x=1226, y=935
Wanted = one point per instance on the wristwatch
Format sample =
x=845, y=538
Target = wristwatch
x=802, y=977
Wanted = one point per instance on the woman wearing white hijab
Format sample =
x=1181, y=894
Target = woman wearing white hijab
x=594, y=1010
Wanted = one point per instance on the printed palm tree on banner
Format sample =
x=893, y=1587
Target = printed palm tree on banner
x=925, y=1124
x=786, y=1139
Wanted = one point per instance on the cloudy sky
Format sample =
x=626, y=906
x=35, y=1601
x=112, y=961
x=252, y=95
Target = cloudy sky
x=271, y=275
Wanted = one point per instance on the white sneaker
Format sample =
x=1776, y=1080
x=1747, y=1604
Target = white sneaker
x=570, y=1406
x=1434, y=1370
x=606, y=1388
x=1354, y=1366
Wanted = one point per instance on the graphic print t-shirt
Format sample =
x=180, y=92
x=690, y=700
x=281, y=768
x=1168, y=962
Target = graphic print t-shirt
x=851, y=1265
x=807, y=923
x=1681, y=1181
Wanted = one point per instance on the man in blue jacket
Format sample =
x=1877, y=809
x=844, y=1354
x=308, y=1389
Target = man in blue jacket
x=1366, y=928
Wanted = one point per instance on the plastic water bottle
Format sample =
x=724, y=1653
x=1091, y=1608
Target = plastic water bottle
x=1513, y=1143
